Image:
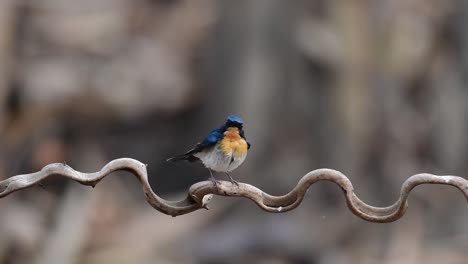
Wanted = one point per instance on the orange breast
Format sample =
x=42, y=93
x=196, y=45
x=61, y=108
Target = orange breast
x=233, y=143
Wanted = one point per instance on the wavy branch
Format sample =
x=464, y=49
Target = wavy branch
x=200, y=194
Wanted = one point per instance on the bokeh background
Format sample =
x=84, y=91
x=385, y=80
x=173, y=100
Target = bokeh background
x=375, y=89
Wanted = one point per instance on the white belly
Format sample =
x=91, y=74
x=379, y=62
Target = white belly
x=214, y=159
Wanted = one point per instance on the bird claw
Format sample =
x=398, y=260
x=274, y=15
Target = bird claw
x=232, y=180
x=235, y=182
x=215, y=182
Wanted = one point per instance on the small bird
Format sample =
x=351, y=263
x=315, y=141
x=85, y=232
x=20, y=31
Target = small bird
x=223, y=150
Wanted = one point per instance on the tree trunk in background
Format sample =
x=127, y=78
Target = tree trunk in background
x=8, y=16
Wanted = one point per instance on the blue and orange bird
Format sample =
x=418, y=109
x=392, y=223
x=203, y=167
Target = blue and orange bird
x=223, y=150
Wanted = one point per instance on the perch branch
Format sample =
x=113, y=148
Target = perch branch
x=201, y=193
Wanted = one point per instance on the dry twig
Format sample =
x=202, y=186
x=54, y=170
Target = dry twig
x=201, y=193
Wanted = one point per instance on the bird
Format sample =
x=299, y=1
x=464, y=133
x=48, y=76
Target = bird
x=223, y=150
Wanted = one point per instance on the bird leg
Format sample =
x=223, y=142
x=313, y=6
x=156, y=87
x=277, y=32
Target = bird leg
x=213, y=180
x=232, y=180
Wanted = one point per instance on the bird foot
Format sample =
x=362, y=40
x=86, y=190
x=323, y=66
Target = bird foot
x=215, y=182
x=232, y=180
x=235, y=182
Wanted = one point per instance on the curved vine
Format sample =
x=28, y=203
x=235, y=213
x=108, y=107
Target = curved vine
x=200, y=193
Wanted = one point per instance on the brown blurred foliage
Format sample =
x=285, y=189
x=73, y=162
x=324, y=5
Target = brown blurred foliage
x=376, y=89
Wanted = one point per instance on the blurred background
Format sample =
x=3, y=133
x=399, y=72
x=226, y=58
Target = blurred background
x=375, y=89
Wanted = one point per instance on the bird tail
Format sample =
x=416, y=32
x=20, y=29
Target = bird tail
x=188, y=157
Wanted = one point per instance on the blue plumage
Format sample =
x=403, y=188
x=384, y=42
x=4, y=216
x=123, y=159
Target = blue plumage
x=215, y=136
x=235, y=119
x=209, y=151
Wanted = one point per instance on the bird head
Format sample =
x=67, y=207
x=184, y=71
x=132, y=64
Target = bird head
x=234, y=121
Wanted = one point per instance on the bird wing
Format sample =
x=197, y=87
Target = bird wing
x=215, y=136
x=243, y=136
x=212, y=138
